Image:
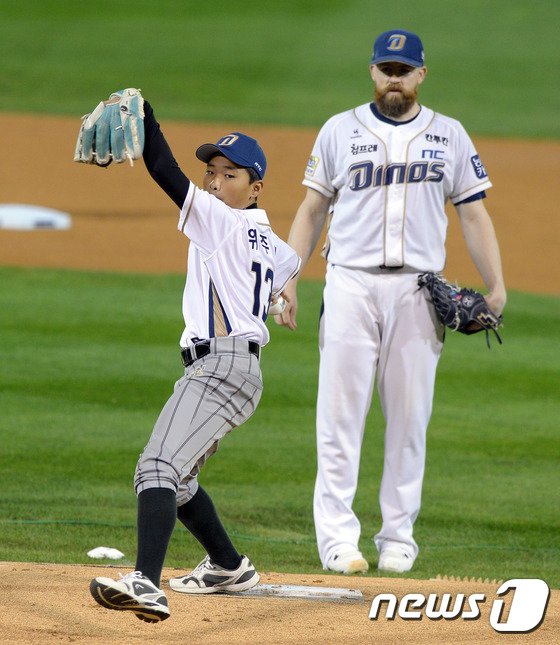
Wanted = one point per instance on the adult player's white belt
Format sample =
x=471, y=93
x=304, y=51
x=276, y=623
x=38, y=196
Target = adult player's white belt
x=225, y=345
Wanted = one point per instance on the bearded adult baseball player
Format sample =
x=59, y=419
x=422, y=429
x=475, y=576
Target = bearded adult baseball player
x=236, y=263
x=386, y=169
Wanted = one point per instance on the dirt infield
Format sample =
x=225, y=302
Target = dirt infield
x=122, y=220
x=51, y=603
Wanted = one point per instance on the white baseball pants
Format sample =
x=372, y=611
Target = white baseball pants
x=373, y=323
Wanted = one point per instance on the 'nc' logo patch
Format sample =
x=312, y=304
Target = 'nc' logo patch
x=396, y=42
x=478, y=166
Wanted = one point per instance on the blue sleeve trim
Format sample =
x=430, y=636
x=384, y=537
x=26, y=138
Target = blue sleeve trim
x=473, y=198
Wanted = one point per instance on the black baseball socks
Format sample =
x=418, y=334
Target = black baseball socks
x=157, y=514
x=200, y=517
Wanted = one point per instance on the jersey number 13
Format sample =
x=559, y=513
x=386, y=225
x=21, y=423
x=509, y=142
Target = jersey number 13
x=262, y=284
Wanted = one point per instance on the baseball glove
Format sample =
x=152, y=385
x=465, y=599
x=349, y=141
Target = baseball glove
x=463, y=310
x=114, y=131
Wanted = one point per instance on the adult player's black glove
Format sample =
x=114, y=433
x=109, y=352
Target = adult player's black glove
x=463, y=310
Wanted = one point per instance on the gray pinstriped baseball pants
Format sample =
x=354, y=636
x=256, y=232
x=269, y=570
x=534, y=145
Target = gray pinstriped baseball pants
x=217, y=393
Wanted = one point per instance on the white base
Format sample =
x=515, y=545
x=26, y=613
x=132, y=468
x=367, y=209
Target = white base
x=27, y=217
x=105, y=552
x=299, y=591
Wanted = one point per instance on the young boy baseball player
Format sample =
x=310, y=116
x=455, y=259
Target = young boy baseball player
x=236, y=264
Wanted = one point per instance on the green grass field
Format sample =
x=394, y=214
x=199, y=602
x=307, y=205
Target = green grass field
x=492, y=65
x=88, y=359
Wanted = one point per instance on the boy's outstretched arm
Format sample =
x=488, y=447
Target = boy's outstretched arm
x=160, y=162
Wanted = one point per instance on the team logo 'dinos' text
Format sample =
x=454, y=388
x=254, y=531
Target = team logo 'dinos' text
x=478, y=166
x=528, y=600
x=312, y=166
x=363, y=175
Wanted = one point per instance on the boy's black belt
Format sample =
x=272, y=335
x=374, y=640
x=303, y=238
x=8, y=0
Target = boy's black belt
x=191, y=354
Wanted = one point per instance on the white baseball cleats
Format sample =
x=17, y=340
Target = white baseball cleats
x=133, y=592
x=137, y=593
x=348, y=561
x=208, y=577
x=395, y=559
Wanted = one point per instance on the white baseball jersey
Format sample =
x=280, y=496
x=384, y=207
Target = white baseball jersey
x=389, y=186
x=235, y=263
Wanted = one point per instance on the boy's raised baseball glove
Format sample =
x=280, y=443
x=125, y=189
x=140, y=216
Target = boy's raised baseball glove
x=114, y=131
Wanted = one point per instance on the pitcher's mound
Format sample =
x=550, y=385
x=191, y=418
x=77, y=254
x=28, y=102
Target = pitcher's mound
x=47, y=603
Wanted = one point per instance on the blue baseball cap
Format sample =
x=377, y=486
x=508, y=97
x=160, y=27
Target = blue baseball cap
x=398, y=45
x=240, y=148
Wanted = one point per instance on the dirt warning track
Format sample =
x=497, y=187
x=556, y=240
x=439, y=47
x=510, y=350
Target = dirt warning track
x=122, y=220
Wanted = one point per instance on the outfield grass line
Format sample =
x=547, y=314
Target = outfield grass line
x=71, y=523
x=491, y=547
x=280, y=540
x=240, y=536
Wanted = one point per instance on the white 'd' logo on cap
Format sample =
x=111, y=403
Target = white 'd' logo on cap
x=228, y=140
x=396, y=42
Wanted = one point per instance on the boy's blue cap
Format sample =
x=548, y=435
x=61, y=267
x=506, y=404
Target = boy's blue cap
x=398, y=45
x=237, y=147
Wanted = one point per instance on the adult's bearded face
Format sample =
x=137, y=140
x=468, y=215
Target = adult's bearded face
x=394, y=100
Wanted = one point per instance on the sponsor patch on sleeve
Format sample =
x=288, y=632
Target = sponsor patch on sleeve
x=311, y=166
x=478, y=166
